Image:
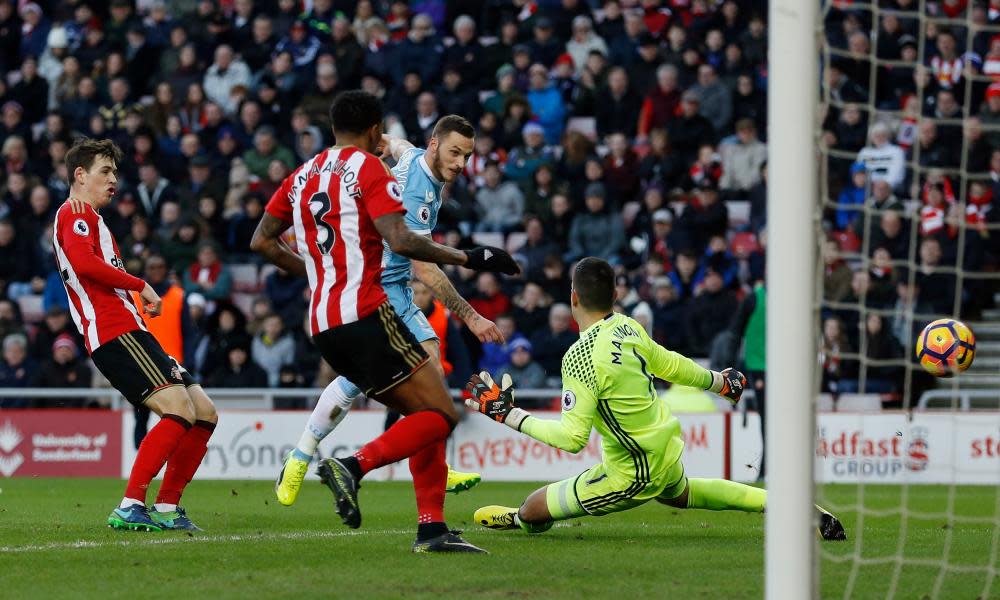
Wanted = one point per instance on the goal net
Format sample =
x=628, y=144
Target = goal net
x=909, y=174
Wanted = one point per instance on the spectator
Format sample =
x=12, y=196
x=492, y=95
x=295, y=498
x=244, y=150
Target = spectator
x=17, y=370
x=598, y=232
x=497, y=356
x=456, y=97
x=536, y=246
x=300, y=44
x=617, y=105
x=546, y=103
x=716, y=99
x=225, y=73
x=466, y=55
x=709, y=313
x=526, y=373
x=621, y=167
x=883, y=159
x=316, y=103
x=490, y=301
x=584, y=41
x=265, y=149
x=669, y=313
x=936, y=288
x=531, y=308
x=56, y=323
x=661, y=102
x=500, y=204
x=742, y=160
x=226, y=329
x=208, y=276
x=64, y=370
x=285, y=293
x=545, y=47
x=852, y=198
x=689, y=130
x=201, y=181
x=836, y=368
x=551, y=343
x=273, y=349
x=238, y=371
x=703, y=217
x=524, y=159
x=420, y=52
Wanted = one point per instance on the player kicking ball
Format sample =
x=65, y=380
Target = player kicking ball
x=123, y=350
x=422, y=174
x=608, y=384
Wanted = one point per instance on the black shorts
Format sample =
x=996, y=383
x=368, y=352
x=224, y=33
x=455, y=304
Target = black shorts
x=137, y=366
x=376, y=353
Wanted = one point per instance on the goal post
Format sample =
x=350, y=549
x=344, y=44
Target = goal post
x=792, y=187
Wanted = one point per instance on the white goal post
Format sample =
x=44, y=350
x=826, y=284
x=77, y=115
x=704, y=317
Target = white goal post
x=793, y=83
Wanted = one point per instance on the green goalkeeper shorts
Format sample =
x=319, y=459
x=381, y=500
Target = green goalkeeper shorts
x=594, y=493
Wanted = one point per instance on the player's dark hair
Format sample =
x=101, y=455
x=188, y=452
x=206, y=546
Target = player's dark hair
x=594, y=282
x=450, y=123
x=85, y=151
x=355, y=111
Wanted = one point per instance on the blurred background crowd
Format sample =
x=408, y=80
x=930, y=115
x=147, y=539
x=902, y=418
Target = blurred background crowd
x=632, y=130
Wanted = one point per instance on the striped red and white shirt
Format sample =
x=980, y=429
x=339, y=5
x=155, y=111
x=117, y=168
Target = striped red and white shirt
x=332, y=201
x=94, y=276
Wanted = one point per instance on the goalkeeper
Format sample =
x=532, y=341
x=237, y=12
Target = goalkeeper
x=608, y=379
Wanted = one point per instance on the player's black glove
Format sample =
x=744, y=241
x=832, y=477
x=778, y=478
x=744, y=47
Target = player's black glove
x=488, y=258
x=730, y=383
x=496, y=402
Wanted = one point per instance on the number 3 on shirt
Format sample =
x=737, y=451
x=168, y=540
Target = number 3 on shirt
x=319, y=205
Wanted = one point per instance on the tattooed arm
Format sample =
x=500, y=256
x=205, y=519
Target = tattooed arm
x=268, y=243
x=436, y=279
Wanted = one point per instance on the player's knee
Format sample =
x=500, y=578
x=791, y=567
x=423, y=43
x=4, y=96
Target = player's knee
x=207, y=413
x=680, y=501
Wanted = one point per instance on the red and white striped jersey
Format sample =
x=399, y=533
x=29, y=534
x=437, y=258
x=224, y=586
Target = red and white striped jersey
x=332, y=201
x=94, y=276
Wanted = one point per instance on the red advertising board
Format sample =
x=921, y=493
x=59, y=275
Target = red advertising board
x=60, y=443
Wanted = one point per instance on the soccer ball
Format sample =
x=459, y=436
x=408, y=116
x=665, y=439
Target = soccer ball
x=946, y=347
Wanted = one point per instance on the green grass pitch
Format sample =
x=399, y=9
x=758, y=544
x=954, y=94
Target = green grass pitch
x=53, y=544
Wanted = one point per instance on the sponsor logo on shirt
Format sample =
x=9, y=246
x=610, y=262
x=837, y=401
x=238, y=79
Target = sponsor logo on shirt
x=81, y=228
x=424, y=214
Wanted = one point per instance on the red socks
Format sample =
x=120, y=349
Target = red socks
x=430, y=474
x=406, y=438
x=156, y=447
x=184, y=462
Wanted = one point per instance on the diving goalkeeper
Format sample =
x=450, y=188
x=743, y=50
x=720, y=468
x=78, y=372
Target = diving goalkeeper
x=608, y=379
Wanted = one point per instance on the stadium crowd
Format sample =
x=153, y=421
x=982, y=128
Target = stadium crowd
x=632, y=130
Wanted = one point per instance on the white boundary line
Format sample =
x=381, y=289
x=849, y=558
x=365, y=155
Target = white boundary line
x=155, y=541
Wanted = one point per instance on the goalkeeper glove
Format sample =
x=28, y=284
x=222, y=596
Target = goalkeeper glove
x=488, y=258
x=729, y=383
x=496, y=402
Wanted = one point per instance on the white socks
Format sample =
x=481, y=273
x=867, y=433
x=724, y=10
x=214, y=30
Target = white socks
x=127, y=502
x=334, y=404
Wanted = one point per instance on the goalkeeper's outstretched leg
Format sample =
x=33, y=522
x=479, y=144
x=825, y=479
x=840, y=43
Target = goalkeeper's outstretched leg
x=591, y=494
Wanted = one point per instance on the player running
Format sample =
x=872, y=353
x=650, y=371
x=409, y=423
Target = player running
x=422, y=174
x=122, y=349
x=608, y=379
x=342, y=203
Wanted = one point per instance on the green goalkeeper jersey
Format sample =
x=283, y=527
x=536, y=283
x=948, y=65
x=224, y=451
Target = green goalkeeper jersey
x=608, y=384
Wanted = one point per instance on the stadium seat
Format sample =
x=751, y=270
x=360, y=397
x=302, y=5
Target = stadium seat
x=31, y=308
x=585, y=125
x=743, y=244
x=245, y=277
x=515, y=240
x=484, y=238
x=265, y=270
x=244, y=302
x=739, y=212
x=629, y=211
